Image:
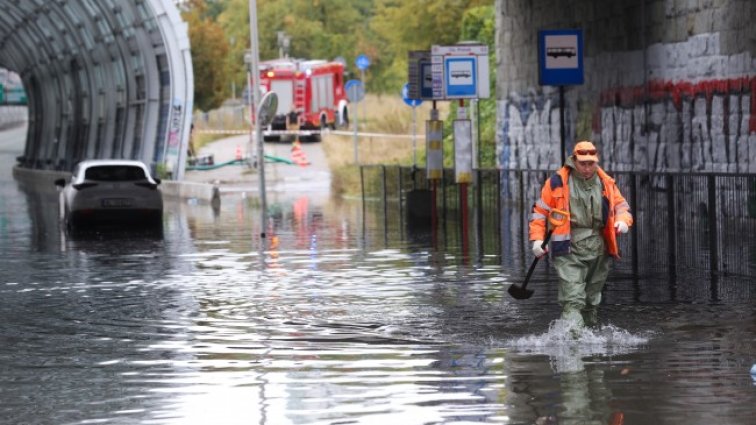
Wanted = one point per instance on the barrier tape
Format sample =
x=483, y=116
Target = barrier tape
x=265, y=132
x=311, y=132
x=381, y=135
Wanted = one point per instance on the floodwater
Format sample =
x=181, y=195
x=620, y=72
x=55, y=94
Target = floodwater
x=331, y=319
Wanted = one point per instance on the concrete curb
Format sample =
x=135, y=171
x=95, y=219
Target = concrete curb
x=202, y=192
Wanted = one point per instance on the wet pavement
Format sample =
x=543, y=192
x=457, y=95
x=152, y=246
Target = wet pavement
x=282, y=180
x=334, y=318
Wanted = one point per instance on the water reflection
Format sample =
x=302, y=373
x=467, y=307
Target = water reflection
x=579, y=358
x=337, y=318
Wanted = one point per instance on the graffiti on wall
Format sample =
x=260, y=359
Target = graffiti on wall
x=530, y=131
x=708, y=125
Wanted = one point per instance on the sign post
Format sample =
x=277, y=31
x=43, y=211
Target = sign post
x=419, y=75
x=253, y=76
x=355, y=93
x=560, y=59
x=414, y=103
x=362, y=62
x=265, y=113
x=460, y=72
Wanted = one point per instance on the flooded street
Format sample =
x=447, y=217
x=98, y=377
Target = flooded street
x=332, y=319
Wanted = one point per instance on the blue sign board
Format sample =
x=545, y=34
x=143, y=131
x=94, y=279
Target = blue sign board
x=560, y=57
x=362, y=62
x=405, y=97
x=426, y=87
x=461, y=76
x=355, y=90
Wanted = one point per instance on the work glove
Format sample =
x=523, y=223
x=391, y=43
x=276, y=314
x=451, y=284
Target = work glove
x=537, y=250
x=620, y=227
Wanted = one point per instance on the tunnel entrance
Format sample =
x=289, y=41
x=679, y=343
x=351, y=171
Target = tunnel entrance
x=101, y=79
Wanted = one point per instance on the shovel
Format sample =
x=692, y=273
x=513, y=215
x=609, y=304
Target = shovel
x=521, y=292
x=556, y=219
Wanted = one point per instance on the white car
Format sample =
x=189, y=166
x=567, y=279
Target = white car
x=110, y=191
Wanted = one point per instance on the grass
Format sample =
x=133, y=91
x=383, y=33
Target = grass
x=377, y=114
x=230, y=117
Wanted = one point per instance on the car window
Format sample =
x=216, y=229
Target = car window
x=114, y=173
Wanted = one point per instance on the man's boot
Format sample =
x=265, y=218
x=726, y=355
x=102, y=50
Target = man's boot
x=575, y=319
x=590, y=316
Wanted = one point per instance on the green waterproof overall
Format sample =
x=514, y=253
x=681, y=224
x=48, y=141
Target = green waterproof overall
x=583, y=272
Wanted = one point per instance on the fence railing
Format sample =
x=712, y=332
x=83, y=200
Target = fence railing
x=683, y=221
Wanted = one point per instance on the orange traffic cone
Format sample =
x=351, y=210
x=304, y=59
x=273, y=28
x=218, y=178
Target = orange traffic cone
x=238, y=153
x=298, y=155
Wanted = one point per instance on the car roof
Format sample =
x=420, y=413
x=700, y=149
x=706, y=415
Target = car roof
x=100, y=162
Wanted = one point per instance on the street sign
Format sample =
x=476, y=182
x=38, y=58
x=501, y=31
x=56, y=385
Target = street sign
x=460, y=77
x=267, y=109
x=560, y=57
x=407, y=99
x=460, y=72
x=362, y=62
x=355, y=90
x=419, y=74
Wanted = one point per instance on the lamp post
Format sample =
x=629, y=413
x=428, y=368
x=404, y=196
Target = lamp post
x=254, y=88
x=283, y=44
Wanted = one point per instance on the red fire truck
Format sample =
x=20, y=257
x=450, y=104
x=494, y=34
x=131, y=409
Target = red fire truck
x=311, y=97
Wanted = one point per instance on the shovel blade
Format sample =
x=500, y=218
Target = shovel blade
x=519, y=293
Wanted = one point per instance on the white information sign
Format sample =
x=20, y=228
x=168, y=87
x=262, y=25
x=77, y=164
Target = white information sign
x=463, y=151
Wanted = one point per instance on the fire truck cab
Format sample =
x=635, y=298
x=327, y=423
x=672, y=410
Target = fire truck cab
x=311, y=97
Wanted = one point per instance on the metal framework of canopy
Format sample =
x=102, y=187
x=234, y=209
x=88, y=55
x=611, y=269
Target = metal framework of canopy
x=104, y=79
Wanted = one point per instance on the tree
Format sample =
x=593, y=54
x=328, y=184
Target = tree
x=401, y=26
x=209, y=48
x=318, y=29
x=479, y=24
x=384, y=30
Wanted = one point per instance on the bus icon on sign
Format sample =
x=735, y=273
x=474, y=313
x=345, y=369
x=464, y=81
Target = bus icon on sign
x=556, y=52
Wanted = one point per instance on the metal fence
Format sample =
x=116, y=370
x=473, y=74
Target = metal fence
x=684, y=222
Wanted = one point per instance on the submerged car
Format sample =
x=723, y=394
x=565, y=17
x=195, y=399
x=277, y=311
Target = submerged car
x=110, y=191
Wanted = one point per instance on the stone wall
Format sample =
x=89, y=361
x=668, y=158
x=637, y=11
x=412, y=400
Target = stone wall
x=670, y=85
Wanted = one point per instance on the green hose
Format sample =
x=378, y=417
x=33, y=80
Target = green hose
x=268, y=158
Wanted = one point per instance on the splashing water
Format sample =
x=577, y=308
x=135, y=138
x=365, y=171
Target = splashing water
x=568, y=333
x=567, y=343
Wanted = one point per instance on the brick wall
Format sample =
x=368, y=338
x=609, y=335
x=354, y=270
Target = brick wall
x=669, y=85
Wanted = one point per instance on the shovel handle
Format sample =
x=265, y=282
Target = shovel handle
x=535, y=260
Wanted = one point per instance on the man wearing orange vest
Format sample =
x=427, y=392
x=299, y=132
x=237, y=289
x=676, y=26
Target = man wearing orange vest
x=582, y=245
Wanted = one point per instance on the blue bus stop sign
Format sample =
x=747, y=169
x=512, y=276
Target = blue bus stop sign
x=560, y=57
x=405, y=97
x=362, y=62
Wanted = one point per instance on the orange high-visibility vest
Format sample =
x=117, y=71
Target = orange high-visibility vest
x=556, y=194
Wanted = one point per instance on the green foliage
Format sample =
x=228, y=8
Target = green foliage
x=398, y=27
x=209, y=48
x=317, y=29
x=162, y=171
